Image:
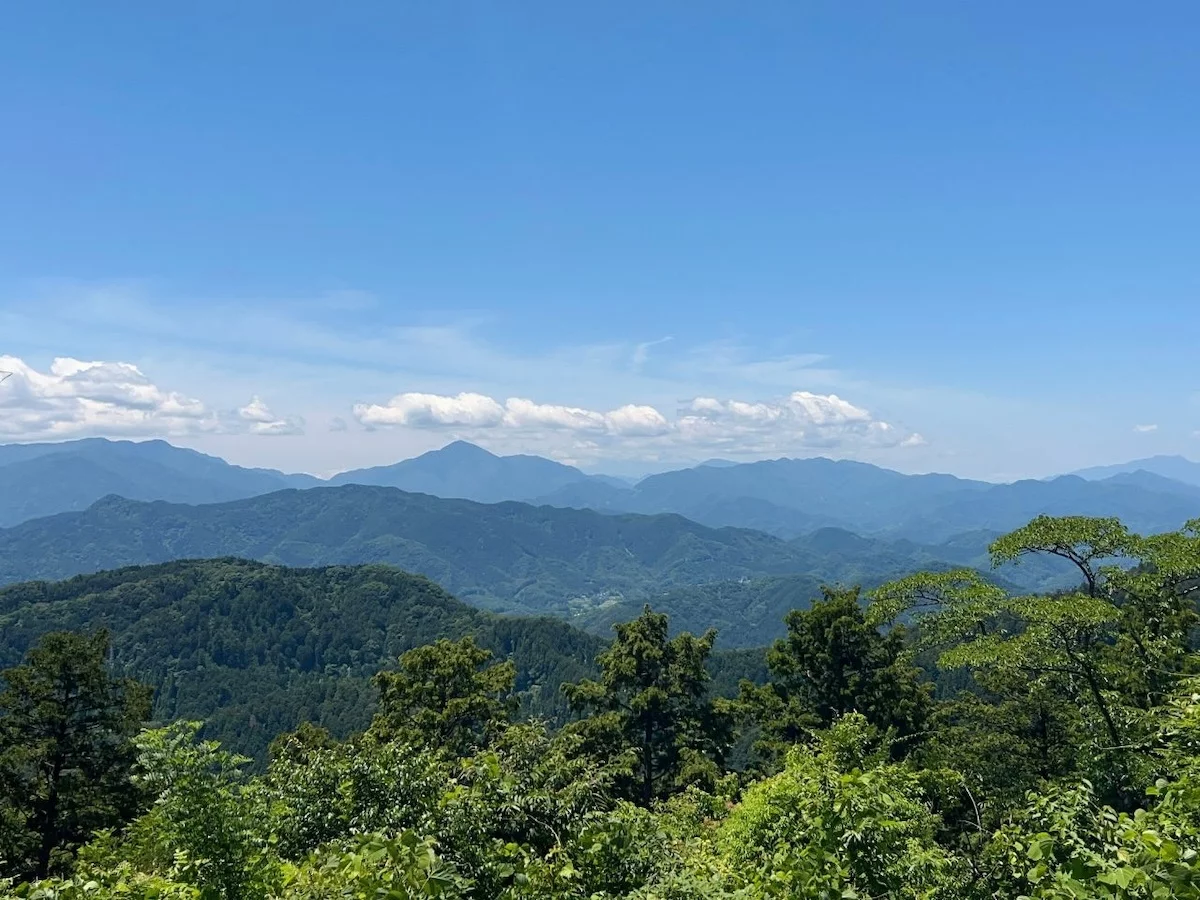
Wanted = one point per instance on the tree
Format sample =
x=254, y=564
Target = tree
x=445, y=695
x=201, y=828
x=651, y=706
x=66, y=729
x=831, y=663
x=1110, y=649
x=840, y=820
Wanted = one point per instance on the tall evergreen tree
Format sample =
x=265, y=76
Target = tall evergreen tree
x=651, y=708
x=831, y=663
x=450, y=695
x=66, y=729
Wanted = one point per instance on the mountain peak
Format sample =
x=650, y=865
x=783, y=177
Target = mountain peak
x=1175, y=467
x=462, y=450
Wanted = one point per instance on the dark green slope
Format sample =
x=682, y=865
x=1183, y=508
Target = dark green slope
x=590, y=568
x=255, y=649
x=508, y=556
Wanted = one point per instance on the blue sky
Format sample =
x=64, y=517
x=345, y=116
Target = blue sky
x=294, y=234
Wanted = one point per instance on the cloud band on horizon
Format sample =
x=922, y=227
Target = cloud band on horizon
x=801, y=420
x=77, y=398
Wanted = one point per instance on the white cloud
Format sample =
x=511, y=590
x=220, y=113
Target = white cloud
x=262, y=421
x=75, y=398
x=637, y=421
x=800, y=422
x=432, y=410
x=521, y=413
x=1145, y=429
x=516, y=414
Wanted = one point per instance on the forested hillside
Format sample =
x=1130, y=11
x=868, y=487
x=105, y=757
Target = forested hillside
x=1065, y=767
x=510, y=557
x=255, y=650
x=505, y=555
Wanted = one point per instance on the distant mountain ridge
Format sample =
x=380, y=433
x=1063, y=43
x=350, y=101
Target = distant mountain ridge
x=791, y=497
x=783, y=497
x=43, y=479
x=1176, y=468
x=507, y=557
x=464, y=471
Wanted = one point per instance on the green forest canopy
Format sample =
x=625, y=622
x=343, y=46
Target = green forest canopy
x=254, y=649
x=1066, y=767
x=590, y=568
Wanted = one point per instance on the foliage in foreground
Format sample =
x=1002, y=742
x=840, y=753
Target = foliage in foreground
x=1069, y=766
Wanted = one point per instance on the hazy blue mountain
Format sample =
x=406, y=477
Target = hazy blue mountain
x=785, y=497
x=790, y=497
x=43, y=479
x=616, y=481
x=717, y=512
x=857, y=495
x=749, y=512
x=465, y=471
x=602, y=496
x=1174, y=467
x=1006, y=506
x=1158, y=483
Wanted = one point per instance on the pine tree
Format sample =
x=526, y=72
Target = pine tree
x=831, y=663
x=450, y=695
x=651, y=706
x=66, y=730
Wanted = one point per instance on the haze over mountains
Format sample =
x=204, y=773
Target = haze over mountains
x=1176, y=468
x=784, y=497
x=729, y=545
x=43, y=479
x=581, y=565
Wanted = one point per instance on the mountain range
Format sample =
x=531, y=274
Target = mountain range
x=725, y=544
x=42, y=479
x=1176, y=468
x=588, y=567
x=784, y=497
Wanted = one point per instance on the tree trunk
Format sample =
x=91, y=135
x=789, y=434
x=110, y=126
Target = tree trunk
x=49, y=837
x=647, y=765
